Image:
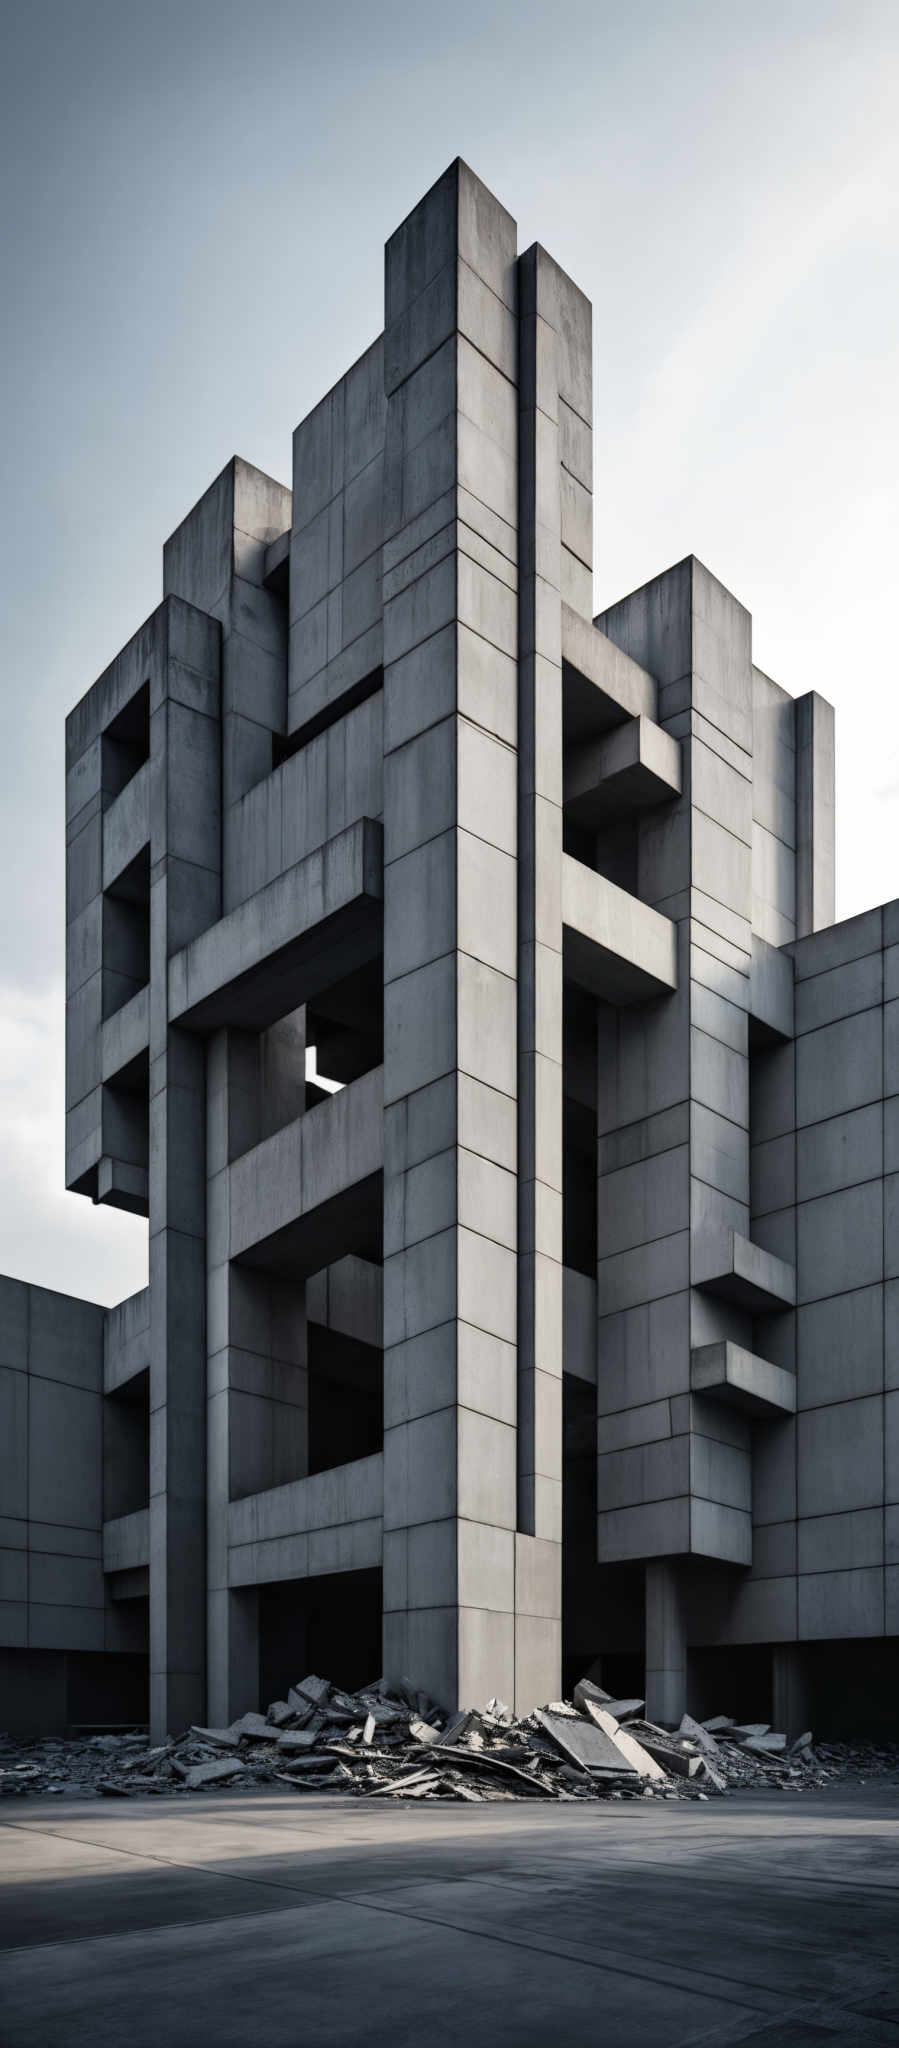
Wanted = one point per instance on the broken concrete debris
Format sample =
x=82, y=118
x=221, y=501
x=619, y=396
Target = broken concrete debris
x=391, y=1741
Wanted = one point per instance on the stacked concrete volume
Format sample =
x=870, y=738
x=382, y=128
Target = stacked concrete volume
x=452, y=982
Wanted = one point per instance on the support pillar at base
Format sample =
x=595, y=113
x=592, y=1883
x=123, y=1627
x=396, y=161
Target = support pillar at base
x=666, y=1643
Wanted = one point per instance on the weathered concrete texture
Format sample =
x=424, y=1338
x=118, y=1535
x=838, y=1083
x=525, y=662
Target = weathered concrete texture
x=450, y=981
x=773, y=1922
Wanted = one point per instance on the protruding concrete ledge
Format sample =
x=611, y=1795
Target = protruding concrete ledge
x=614, y=945
x=126, y=826
x=601, y=686
x=126, y=1034
x=121, y=1185
x=348, y=1297
x=313, y=1190
x=770, y=991
x=276, y=565
x=726, y=1372
x=126, y=1340
x=314, y=924
x=636, y=765
x=579, y=1324
x=728, y=1264
x=330, y=1522
x=126, y=1542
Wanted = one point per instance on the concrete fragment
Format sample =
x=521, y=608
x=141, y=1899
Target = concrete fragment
x=297, y=1739
x=624, y=1710
x=802, y=1742
x=421, y=1731
x=698, y=1732
x=314, y=1690
x=250, y=1725
x=586, y=1690
x=591, y=1747
x=220, y=1738
x=368, y=1731
x=279, y=1712
x=298, y=1702
x=210, y=1774
x=633, y=1755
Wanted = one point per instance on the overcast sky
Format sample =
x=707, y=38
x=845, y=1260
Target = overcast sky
x=195, y=201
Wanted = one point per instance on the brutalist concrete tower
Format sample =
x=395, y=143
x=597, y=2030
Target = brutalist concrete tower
x=442, y=988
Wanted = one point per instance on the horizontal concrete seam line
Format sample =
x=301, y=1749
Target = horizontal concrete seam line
x=569, y=1951
x=840, y=966
x=77, y=1387
x=738, y=836
x=680, y=1230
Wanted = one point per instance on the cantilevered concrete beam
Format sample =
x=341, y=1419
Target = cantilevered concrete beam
x=313, y=925
x=601, y=687
x=636, y=765
x=312, y=1191
x=728, y=1264
x=614, y=945
x=727, y=1373
x=328, y=1522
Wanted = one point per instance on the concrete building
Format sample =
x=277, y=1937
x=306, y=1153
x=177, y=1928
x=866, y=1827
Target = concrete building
x=453, y=985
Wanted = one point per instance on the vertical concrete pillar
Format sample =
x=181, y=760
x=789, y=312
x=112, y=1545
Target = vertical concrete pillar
x=257, y=1409
x=450, y=943
x=554, y=327
x=790, y=1693
x=666, y=1642
x=185, y=895
x=815, y=857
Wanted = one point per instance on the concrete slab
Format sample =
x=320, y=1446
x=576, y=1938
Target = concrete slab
x=727, y=1372
x=614, y=945
x=281, y=1916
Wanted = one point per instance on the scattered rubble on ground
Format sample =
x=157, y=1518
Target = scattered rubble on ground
x=391, y=1742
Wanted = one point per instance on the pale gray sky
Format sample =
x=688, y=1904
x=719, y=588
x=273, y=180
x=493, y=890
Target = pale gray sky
x=195, y=196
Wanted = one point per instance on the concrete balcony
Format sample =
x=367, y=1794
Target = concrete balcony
x=614, y=945
x=601, y=687
x=300, y=934
x=126, y=826
x=727, y=1264
x=770, y=993
x=330, y=1522
x=126, y=1341
x=126, y=1545
x=125, y=1035
x=725, y=1372
x=312, y=1191
x=635, y=766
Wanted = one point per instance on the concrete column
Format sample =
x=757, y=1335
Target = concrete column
x=450, y=951
x=257, y=1409
x=554, y=328
x=790, y=1696
x=666, y=1642
x=815, y=858
x=185, y=888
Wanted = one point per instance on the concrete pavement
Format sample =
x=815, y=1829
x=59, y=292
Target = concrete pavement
x=264, y=1917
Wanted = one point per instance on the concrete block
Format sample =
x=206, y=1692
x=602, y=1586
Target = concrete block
x=841, y=1604
x=839, y=992
x=839, y=1067
x=840, y=1451
x=839, y=1152
x=840, y=1241
x=841, y=1542
x=841, y=1346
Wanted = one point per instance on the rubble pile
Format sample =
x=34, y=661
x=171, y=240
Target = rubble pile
x=392, y=1742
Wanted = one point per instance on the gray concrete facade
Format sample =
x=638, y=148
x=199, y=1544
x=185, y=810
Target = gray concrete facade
x=452, y=984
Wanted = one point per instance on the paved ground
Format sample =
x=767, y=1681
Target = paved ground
x=239, y=1919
